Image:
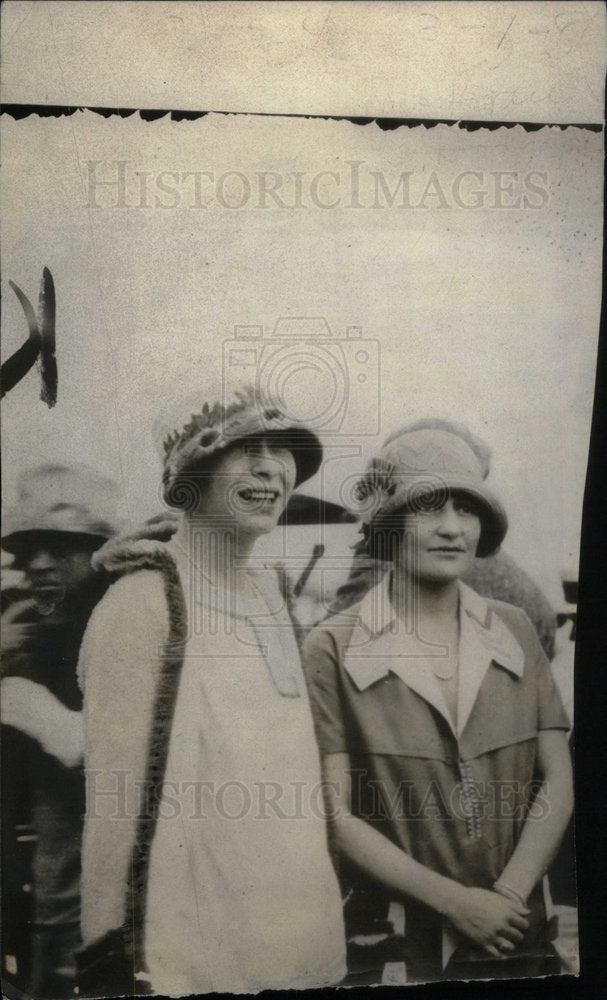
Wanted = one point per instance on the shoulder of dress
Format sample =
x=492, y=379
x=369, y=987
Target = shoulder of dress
x=512, y=615
x=342, y=621
x=333, y=634
x=520, y=627
x=145, y=584
x=144, y=578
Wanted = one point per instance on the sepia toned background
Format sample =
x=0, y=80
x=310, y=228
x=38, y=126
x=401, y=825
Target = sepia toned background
x=467, y=265
x=492, y=61
x=374, y=276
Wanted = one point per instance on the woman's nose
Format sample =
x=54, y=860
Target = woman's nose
x=449, y=522
x=263, y=462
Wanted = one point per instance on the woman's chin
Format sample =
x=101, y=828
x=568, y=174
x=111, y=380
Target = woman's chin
x=258, y=524
x=437, y=578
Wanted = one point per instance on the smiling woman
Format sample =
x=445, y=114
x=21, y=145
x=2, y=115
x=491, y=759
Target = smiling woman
x=192, y=663
x=251, y=480
x=442, y=732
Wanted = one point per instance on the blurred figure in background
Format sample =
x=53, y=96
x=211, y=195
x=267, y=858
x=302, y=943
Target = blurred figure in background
x=62, y=516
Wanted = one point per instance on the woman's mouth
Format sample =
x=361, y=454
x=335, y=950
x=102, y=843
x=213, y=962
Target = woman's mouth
x=258, y=496
x=448, y=550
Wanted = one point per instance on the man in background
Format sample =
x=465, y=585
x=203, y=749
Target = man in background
x=62, y=516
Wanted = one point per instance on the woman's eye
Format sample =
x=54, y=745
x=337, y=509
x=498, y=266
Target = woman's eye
x=464, y=508
x=428, y=503
x=431, y=506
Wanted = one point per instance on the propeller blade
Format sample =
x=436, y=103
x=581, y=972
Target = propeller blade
x=19, y=363
x=46, y=312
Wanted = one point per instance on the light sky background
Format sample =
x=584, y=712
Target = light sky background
x=484, y=315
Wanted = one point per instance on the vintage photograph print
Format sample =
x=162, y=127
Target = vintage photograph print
x=296, y=414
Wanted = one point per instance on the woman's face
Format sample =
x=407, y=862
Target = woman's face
x=439, y=544
x=250, y=483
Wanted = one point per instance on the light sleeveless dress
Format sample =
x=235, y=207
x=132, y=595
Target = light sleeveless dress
x=242, y=894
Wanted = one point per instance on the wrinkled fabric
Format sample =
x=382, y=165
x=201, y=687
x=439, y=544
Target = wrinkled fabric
x=455, y=798
x=246, y=897
x=236, y=904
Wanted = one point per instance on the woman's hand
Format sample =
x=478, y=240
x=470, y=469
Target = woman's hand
x=489, y=920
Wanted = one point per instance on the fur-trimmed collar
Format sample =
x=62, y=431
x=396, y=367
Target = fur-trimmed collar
x=144, y=548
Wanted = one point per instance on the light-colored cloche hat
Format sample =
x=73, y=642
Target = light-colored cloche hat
x=416, y=468
x=72, y=499
x=219, y=425
x=480, y=448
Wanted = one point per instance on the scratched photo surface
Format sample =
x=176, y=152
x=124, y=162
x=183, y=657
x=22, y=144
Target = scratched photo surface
x=264, y=373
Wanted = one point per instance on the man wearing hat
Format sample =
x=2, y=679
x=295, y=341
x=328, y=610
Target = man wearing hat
x=63, y=515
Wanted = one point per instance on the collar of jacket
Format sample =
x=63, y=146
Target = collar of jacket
x=381, y=644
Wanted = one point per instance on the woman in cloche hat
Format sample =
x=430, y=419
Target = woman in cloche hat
x=442, y=733
x=216, y=877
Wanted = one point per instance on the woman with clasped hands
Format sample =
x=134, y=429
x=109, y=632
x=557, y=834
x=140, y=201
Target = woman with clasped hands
x=442, y=732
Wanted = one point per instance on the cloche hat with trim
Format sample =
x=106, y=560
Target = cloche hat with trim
x=220, y=424
x=413, y=471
